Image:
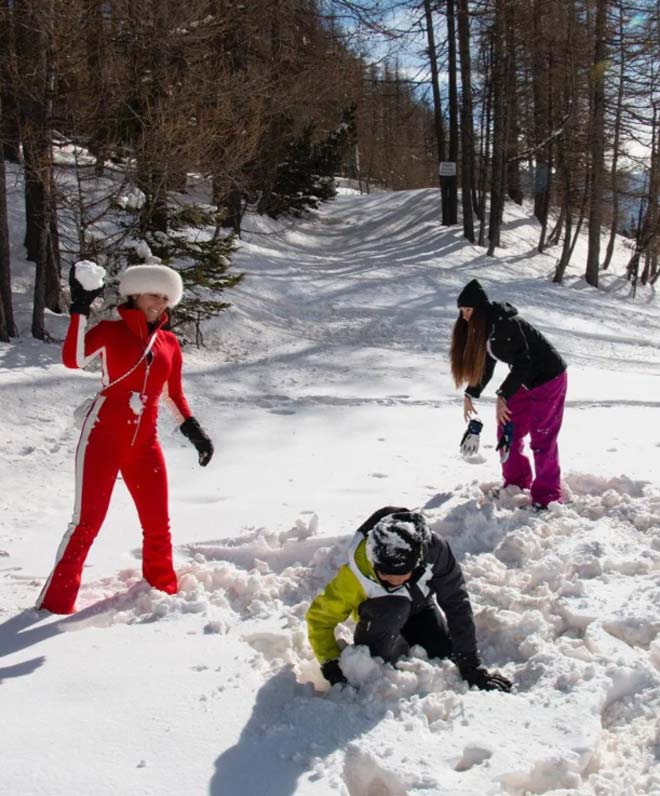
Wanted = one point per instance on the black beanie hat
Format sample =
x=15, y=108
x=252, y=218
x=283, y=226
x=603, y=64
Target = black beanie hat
x=394, y=544
x=472, y=295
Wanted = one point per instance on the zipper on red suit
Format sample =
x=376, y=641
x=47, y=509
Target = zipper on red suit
x=144, y=391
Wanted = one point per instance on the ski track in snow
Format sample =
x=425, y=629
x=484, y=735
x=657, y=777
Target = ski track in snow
x=326, y=390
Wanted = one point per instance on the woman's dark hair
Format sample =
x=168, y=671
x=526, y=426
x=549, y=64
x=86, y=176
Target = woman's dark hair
x=130, y=304
x=468, y=347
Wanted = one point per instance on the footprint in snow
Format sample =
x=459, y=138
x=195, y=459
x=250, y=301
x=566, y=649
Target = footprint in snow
x=379, y=475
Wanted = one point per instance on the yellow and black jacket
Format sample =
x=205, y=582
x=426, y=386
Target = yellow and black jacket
x=437, y=576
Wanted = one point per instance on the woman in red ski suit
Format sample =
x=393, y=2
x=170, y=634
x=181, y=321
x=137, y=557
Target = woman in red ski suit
x=140, y=361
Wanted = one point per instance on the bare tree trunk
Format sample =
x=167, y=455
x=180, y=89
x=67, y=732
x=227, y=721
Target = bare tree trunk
x=567, y=211
x=597, y=144
x=541, y=94
x=581, y=218
x=452, y=180
x=485, y=141
x=437, y=104
x=553, y=237
x=497, y=184
x=648, y=224
x=34, y=51
x=272, y=149
x=7, y=325
x=467, y=124
x=10, y=140
x=96, y=63
x=514, y=188
x=617, y=140
x=543, y=172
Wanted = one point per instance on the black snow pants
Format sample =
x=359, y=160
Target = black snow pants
x=388, y=628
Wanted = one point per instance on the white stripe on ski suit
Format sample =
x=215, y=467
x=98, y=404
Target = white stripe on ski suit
x=373, y=588
x=81, y=359
x=88, y=425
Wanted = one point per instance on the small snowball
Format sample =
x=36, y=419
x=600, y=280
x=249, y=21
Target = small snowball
x=89, y=274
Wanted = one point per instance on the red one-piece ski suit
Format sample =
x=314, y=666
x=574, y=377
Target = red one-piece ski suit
x=119, y=435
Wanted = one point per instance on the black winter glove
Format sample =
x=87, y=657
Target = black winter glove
x=81, y=299
x=332, y=672
x=191, y=429
x=504, y=445
x=475, y=674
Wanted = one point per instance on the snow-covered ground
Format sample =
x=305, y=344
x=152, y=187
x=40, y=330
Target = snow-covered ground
x=326, y=390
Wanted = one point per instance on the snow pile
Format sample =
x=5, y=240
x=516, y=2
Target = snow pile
x=566, y=605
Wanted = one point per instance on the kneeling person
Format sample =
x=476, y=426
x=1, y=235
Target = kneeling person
x=396, y=567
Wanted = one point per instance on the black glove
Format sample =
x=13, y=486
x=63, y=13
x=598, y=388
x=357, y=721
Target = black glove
x=475, y=674
x=332, y=672
x=81, y=299
x=504, y=445
x=488, y=681
x=470, y=440
x=191, y=429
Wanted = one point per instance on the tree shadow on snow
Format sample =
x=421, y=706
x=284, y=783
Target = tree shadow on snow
x=291, y=726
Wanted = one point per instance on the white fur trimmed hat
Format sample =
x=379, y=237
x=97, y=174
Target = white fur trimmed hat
x=159, y=279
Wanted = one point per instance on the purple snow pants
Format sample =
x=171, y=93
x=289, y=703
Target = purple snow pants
x=539, y=413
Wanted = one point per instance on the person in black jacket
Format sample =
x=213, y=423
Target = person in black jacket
x=398, y=576
x=530, y=400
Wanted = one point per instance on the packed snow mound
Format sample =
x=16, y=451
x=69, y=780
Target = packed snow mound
x=566, y=605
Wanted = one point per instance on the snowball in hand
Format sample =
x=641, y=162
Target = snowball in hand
x=89, y=274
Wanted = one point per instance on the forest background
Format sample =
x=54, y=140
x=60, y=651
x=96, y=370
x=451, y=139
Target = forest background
x=114, y=109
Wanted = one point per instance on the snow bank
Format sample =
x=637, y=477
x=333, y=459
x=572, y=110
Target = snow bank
x=566, y=605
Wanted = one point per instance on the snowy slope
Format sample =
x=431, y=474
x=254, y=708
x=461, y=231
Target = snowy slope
x=326, y=390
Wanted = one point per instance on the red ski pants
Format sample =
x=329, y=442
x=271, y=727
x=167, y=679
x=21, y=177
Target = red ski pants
x=114, y=442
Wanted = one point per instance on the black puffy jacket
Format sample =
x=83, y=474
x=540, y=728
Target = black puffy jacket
x=532, y=360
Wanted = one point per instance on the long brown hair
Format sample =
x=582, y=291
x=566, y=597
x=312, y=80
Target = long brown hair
x=468, y=347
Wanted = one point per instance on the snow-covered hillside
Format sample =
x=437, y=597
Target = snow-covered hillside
x=326, y=390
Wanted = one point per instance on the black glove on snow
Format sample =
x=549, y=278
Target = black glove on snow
x=488, y=681
x=504, y=445
x=192, y=431
x=475, y=674
x=332, y=672
x=470, y=440
x=81, y=299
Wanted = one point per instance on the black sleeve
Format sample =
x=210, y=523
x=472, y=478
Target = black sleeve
x=475, y=390
x=520, y=360
x=367, y=525
x=451, y=592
